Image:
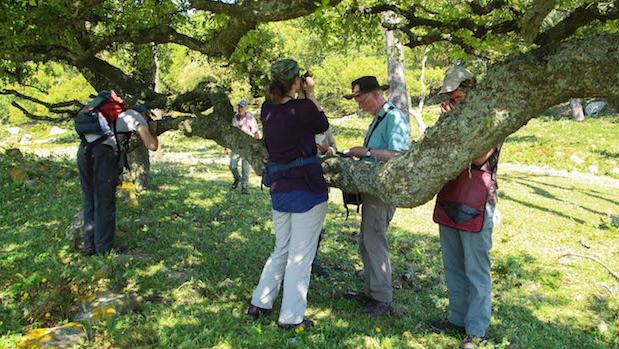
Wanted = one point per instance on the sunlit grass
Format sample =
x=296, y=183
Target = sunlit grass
x=197, y=249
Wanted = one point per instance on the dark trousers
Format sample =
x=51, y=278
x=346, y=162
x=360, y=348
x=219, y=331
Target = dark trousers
x=315, y=262
x=98, y=169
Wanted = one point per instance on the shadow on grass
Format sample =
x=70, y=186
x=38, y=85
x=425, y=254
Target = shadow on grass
x=609, y=154
x=589, y=192
x=543, y=192
x=205, y=247
x=224, y=239
x=540, y=208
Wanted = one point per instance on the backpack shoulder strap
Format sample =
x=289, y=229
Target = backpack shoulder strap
x=379, y=118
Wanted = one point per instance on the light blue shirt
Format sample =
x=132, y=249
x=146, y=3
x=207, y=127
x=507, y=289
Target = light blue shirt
x=392, y=132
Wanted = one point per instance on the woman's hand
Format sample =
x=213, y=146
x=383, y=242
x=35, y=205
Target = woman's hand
x=309, y=86
x=446, y=106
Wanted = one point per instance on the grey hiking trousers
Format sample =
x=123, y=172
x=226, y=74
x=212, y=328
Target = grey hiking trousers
x=467, y=271
x=375, y=218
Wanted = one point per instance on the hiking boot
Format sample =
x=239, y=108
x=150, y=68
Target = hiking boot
x=235, y=184
x=318, y=270
x=255, y=312
x=306, y=324
x=361, y=298
x=377, y=309
x=445, y=325
x=471, y=342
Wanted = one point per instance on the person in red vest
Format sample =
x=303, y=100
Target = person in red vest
x=465, y=228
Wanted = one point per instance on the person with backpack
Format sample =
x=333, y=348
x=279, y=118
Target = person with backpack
x=104, y=127
x=464, y=210
x=387, y=136
x=298, y=193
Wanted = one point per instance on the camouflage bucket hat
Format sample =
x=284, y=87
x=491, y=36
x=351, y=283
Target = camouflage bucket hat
x=454, y=77
x=285, y=69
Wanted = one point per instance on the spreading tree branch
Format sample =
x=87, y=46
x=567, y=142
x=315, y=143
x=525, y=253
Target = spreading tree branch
x=161, y=34
x=51, y=106
x=33, y=116
x=261, y=11
x=104, y=76
x=439, y=30
x=481, y=10
x=578, y=18
x=533, y=18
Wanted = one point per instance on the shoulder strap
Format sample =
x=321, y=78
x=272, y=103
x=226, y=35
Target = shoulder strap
x=379, y=118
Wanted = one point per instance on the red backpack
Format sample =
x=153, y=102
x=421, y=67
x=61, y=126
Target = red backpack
x=109, y=105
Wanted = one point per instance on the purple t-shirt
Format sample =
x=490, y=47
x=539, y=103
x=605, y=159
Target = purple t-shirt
x=289, y=131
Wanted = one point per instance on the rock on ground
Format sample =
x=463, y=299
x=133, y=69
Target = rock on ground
x=71, y=335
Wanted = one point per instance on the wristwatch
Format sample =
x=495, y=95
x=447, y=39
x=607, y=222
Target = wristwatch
x=368, y=153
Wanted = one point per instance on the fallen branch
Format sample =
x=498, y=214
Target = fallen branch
x=612, y=272
x=612, y=293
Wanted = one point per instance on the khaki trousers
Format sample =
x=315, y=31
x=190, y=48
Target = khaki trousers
x=375, y=218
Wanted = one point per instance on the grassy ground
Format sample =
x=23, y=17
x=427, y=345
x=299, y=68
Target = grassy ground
x=196, y=250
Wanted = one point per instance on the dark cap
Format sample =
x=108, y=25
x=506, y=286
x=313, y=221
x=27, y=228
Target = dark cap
x=363, y=85
x=140, y=109
x=285, y=69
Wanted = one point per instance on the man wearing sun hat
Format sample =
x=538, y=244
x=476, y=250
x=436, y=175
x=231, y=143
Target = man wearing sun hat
x=387, y=136
x=465, y=251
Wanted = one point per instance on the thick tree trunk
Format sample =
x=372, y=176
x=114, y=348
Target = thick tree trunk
x=139, y=167
x=396, y=73
x=139, y=157
x=577, y=113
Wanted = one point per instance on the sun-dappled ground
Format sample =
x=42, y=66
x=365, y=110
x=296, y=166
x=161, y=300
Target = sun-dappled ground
x=192, y=251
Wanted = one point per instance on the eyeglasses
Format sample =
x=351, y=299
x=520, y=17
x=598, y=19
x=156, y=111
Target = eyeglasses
x=361, y=97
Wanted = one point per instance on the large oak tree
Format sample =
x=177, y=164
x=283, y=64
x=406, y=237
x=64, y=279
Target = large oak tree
x=541, y=53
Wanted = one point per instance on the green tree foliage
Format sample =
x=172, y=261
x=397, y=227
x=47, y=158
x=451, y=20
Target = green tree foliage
x=530, y=51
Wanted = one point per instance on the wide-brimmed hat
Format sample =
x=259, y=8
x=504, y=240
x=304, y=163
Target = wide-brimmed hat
x=363, y=85
x=454, y=77
x=285, y=69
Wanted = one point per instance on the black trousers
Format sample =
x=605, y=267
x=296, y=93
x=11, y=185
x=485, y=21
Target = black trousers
x=98, y=169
